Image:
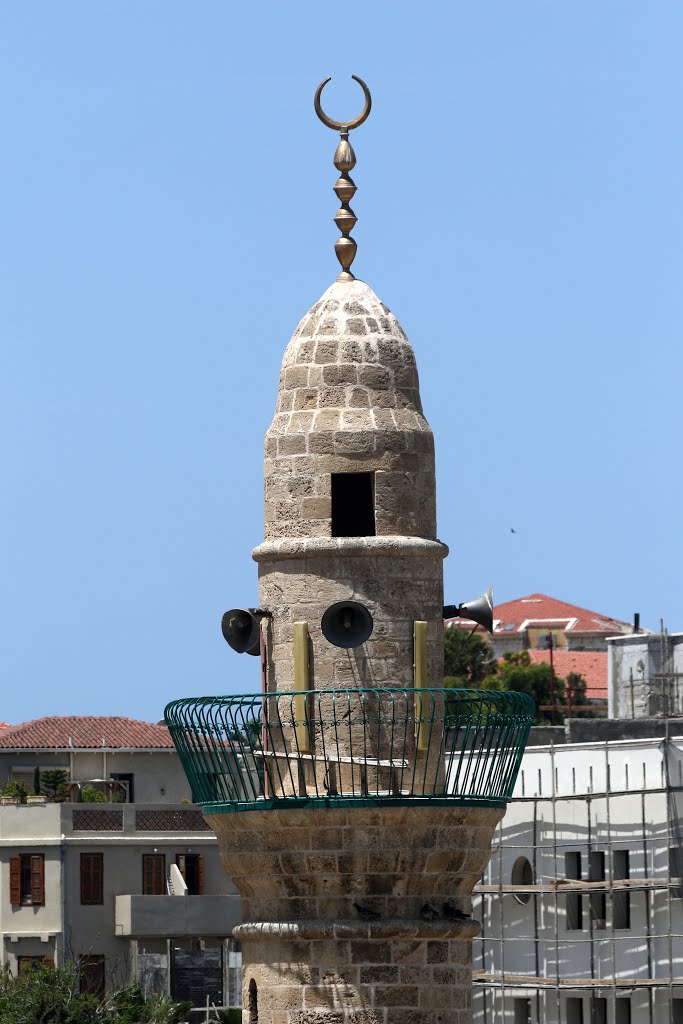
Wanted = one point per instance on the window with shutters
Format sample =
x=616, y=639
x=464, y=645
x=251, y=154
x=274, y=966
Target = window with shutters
x=191, y=867
x=27, y=880
x=92, y=878
x=27, y=964
x=153, y=874
x=91, y=974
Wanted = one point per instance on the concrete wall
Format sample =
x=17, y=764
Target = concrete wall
x=645, y=676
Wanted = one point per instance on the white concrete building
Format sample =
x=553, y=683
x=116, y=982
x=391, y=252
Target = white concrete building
x=581, y=909
x=94, y=882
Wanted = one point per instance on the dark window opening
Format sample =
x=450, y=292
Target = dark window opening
x=598, y=1010
x=91, y=974
x=574, y=1010
x=92, y=878
x=191, y=867
x=124, y=793
x=522, y=876
x=522, y=1011
x=572, y=869
x=675, y=860
x=253, y=1002
x=622, y=1010
x=596, y=868
x=353, y=505
x=621, y=900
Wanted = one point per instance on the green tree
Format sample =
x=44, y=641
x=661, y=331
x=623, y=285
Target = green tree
x=53, y=996
x=516, y=672
x=54, y=783
x=92, y=795
x=17, y=789
x=468, y=659
x=575, y=693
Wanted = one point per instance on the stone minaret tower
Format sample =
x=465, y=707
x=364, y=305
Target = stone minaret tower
x=369, y=799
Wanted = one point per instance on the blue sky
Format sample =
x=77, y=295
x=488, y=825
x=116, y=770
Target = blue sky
x=166, y=220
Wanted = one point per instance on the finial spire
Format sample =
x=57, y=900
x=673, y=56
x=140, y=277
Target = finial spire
x=344, y=188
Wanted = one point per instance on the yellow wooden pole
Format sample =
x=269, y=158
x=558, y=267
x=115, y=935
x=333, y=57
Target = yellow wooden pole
x=301, y=683
x=420, y=680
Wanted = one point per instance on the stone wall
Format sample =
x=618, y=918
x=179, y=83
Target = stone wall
x=399, y=579
x=336, y=925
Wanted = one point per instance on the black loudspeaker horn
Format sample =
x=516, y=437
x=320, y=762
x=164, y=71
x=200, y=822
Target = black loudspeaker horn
x=241, y=630
x=480, y=610
x=347, y=624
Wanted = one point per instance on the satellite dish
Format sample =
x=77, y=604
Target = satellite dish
x=480, y=610
x=241, y=630
x=347, y=624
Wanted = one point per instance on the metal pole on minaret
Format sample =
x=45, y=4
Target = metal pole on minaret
x=355, y=798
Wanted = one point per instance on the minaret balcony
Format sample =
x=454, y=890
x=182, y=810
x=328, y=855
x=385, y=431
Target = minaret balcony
x=336, y=747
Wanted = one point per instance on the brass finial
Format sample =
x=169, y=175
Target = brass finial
x=344, y=188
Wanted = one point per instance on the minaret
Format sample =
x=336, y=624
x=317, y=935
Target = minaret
x=369, y=794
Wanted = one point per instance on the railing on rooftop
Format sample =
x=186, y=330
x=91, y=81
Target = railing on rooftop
x=334, y=747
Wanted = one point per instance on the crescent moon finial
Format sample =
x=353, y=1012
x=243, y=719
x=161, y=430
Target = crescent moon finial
x=339, y=126
x=345, y=189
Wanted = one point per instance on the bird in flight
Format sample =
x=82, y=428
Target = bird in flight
x=512, y=531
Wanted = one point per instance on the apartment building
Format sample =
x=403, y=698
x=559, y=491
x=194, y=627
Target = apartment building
x=581, y=907
x=129, y=887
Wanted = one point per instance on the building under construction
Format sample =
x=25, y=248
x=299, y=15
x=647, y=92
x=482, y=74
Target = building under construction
x=581, y=907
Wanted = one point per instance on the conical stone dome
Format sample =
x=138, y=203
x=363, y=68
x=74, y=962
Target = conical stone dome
x=349, y=402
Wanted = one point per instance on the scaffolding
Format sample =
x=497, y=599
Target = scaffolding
x=581, y=907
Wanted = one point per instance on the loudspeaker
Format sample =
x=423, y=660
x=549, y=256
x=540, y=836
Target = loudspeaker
x=347, y=624
x=241, y=629
x=480, y=610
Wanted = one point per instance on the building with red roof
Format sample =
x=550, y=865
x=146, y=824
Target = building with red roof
x=85, y=732
x=525, y=623
x=590, y=665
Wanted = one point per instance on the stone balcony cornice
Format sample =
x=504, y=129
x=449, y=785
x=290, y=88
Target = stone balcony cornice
x=390, y=546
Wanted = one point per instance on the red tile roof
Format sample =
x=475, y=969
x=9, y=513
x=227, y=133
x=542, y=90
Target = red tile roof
x=4, y=725
x=84, y=731
x=541, y=610
x=592, y=665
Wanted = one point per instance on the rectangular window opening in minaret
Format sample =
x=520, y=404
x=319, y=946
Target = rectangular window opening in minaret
x=353, y=504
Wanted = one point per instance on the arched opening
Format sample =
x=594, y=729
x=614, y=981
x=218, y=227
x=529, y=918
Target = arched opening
x=253, y=1002
x=522, y=875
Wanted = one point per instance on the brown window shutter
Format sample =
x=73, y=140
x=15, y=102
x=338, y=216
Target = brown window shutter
x=153, y=874
x=92, y=878
x=200, y=875
x=38, y=880
x=15, y=880
x=85, y=887
x=180, y=862
x=49, y=961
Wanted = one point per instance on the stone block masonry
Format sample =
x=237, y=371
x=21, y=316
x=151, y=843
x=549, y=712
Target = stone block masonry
x=334, y=921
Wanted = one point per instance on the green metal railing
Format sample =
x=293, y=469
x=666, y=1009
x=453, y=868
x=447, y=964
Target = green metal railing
x=334, y=747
